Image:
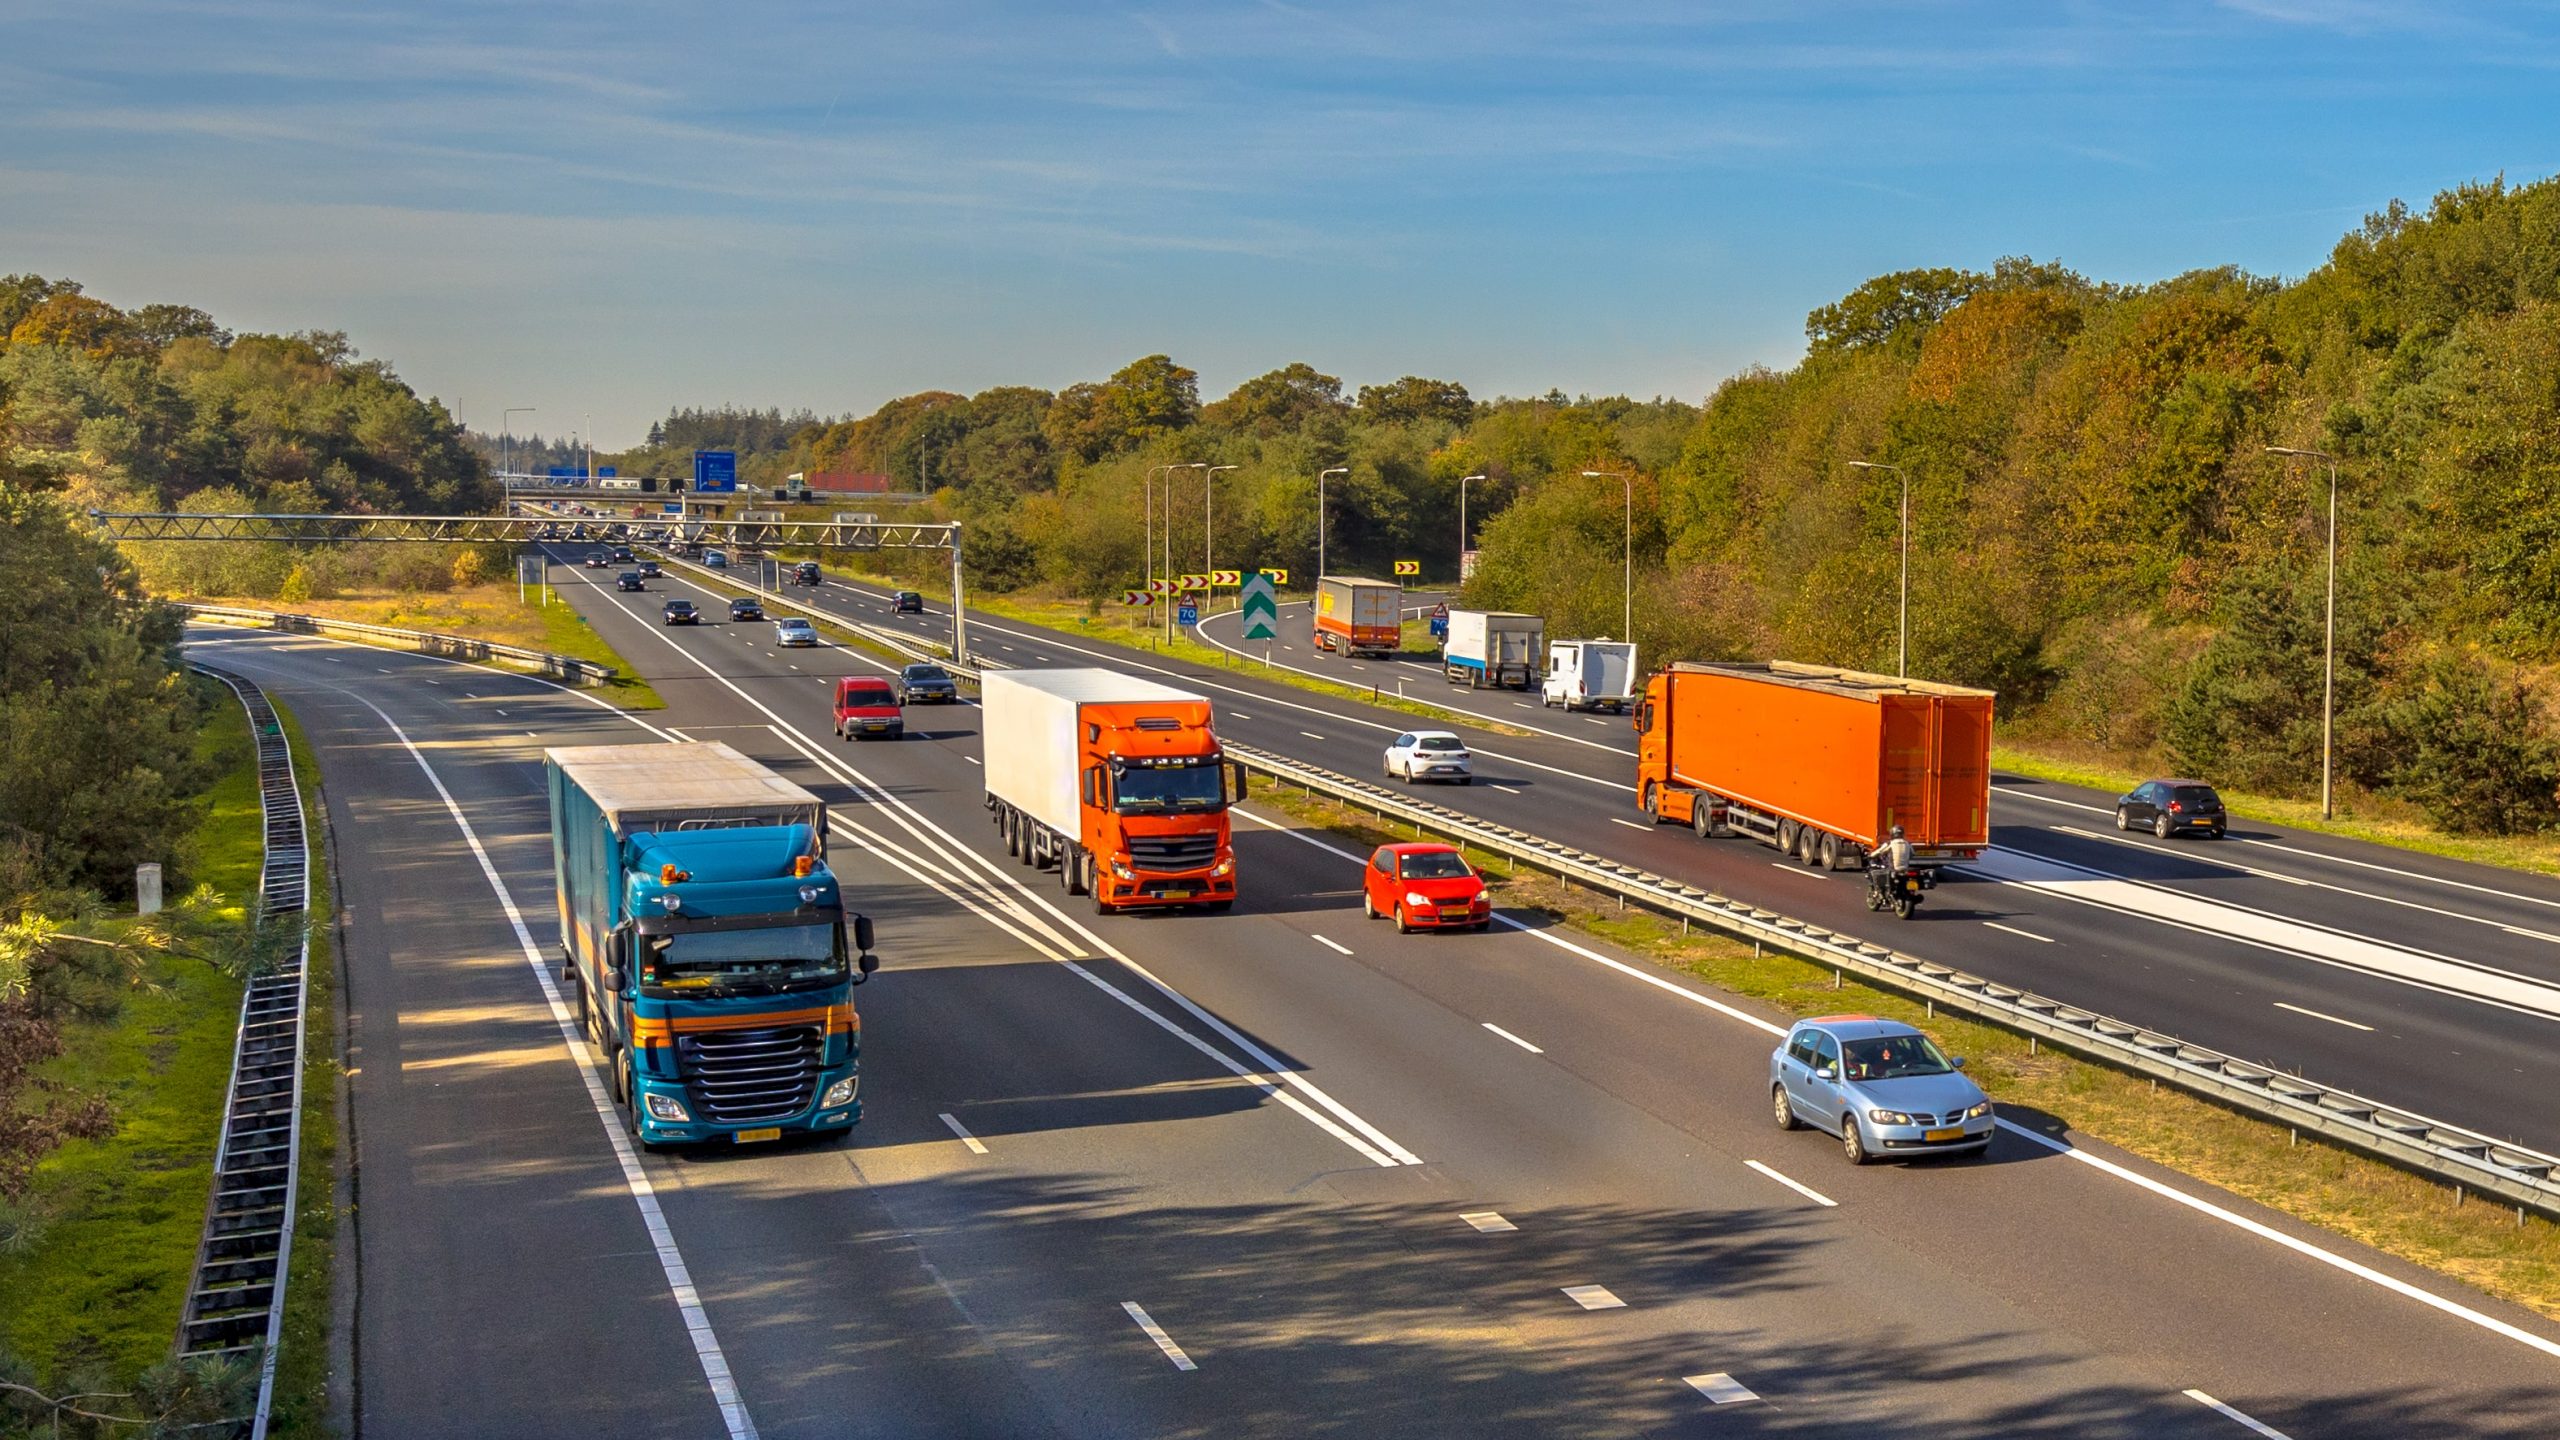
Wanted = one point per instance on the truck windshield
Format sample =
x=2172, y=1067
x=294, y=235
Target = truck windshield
x=1185, y=790
x=762, y=961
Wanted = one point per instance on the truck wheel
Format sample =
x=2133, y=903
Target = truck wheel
x=1787, y=833
x=1827, y=853
x=1702, y=818
x=1650, y=802
x=1071, y=871
x=1012, y=837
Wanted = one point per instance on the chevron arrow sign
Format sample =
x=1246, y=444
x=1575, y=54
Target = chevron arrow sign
x=1261, y=608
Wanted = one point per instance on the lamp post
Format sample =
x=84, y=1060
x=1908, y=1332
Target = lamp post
x=1902, y=648
x=1462, y=525
x=1628, y=620
x=1208, y=512
x=2328, y=623
x=1176, y=597
x=507, y=438
x=1320, y=479
x=1150, y=543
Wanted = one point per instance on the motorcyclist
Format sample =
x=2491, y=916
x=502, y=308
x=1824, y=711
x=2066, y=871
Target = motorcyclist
x=1885, y=869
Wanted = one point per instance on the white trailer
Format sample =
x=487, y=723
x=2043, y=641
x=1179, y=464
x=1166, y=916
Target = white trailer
x=1492, y=647
x=1591, y=675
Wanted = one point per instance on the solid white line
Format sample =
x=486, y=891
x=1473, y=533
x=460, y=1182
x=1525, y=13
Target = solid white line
x=2257, y=1427
x=679, y=734
x=1514, y=1039
x=2014, y=930
x=1310, y=734
x=976, y=1146
x=1630, y=824
x=1488, y=1222
x=1594, y=1297
x=2317, y=1015
x=1330, y=945
x=1156, y=1333
x=1807, y=1191
x=1719, y=1388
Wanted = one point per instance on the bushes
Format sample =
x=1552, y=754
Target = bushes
x=2474, y=750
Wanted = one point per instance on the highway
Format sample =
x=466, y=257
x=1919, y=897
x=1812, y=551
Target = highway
x=1156, y=1175
x=2415, y=980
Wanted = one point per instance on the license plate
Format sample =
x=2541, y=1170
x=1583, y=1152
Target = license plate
x=1937, y=1135
x=748, y=1137
x=1178, y=894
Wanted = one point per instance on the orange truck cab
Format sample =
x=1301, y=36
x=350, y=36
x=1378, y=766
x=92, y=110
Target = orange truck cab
x=1359, y=617
x=1820, y=763
x=1117, y=784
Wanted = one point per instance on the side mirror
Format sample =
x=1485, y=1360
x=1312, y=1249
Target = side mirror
x=1958, y=1062
x=1240, y=780
x=1826, y=1072
x=614, y=980
x=862, y=933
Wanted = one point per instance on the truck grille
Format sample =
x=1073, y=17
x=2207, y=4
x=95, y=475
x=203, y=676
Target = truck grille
x=737, y=1077
x=1173, y=852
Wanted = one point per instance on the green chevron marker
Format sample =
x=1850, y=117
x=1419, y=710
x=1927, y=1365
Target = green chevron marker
x=1261, y=607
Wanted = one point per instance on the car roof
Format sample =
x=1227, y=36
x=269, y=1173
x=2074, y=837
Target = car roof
x=1860, y=1027
x=787, y=621
x=1420, y=847
x=1433, y=734
x=2174, y=780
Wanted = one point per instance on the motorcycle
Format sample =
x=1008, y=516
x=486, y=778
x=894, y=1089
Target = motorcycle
x=1896, y=890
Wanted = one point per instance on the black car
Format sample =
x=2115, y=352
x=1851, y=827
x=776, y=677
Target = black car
x=681, y=612
x=927, y=685
x=2173, y=807
x=597, y=560
x=908, y=603
x=629, y=580
x=746, y=607
x=621, y=554
x=805, y=573
x=649, y=570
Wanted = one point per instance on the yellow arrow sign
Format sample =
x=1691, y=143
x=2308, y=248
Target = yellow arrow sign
x=1278, y=577
x=1408, y=567
x=1226, y=577
x=1136, y=597
x=1192, y=582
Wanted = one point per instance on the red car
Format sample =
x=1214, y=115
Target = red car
x=1425, y=887
x=867, y=706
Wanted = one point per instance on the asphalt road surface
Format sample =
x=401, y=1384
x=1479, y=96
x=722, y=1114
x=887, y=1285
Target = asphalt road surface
x=1274, y=1173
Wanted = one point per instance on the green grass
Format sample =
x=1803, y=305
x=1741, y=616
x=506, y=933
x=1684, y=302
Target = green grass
x=2339, y=1190
x=302, y=1365
x=102, y=1288
x=2359, y=817
x=566, y=632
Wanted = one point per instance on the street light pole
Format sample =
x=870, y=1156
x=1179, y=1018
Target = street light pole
x=1462, y=525
x=1628, y=619
x=1208, y=514
x=1150, y=544
x=1902, y=648
x=1320, y=479
x=1177, y=595
x=507, y=438
x=2328, y=624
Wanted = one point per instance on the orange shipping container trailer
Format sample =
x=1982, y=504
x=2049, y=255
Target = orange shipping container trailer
x=1821, y=763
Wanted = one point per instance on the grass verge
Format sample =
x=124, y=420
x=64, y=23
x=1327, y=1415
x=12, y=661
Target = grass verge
x=101, y=1289
x=302, y=1358
x=2338, y=1190
x=2357, y=819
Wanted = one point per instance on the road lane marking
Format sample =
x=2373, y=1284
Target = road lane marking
x=1807, y=1191
x=1238, y=714
x=2317, y=1015
x=1593, y=720
x=1156, y=1333
x=1505, y=789
x=1795, y=869
x=1630, y=824
x=2256, y=1427
x=1330, y=945
x=1719, y=1388
x=1514, y=1039
x=2014, y=930
x=972, y=759
x=976, y=1146
x=1487, y=1222
x=1310, y=734
x=1594, y=1297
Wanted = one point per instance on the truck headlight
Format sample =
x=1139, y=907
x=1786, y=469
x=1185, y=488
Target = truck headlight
x=1888, y=1117
x=1225, y=868
x=1120, y=867
x=673, y=903
x=668, y=1107
x=841, y=1092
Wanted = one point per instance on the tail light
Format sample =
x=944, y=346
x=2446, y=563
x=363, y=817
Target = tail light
x=2176, y=809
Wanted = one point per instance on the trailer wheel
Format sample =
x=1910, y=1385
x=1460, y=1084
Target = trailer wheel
x=1787, y=832
x=1827, y=854
x=1004, y=827
x=1702, y=818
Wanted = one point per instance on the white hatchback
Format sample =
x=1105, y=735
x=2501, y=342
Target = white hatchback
x=1430, y=755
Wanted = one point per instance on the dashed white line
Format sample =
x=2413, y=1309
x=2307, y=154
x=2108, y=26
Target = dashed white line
x=1719, y=1388
x=2014, y=930
x=1505, y=789
x=1156, y=1333
x=1514, y=1039
x=976, y=1146
x=1793, y=869
x=2317, y=1015
x=1593, y=720
x=1594, y=1297
x=1807, y=1191
x=1238, y=715
x=972, y=759
x=2256, y=1427
x=1489, y=1222
x=1630, y=824
x=1310, y=734
x=1330, y=945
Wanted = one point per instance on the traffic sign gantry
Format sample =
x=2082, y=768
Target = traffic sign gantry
x=1408, y=567
x=1261, y=602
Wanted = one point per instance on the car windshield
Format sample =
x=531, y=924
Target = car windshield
x=1436, y=865
x=742, y=962
x=681, y=607
x=1182, y=789
x=1439, y=742
x=870, y=695
x=1893, y=1057
x=925, y=672
x=2197, y=795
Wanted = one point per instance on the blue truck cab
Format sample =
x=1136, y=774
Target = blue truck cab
x=712, y=957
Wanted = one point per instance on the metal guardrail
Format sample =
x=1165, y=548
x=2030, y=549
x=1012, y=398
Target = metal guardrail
x=460, y=647
x=2521, y=1177
x=235, y=1304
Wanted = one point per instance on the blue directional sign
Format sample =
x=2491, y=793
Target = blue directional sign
x=1189, y=614
x=715, y=472
x=563, y=472
x=604, y=471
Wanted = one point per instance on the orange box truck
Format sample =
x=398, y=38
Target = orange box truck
x=1820, y=763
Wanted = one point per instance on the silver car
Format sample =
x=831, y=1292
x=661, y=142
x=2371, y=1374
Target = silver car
x=1430, y=755
x=795, y=631
x=1884, y=1088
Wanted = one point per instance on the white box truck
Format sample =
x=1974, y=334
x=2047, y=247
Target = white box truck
x=1492, y=647
x=1591, y=675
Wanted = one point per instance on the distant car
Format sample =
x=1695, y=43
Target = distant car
x=621, y=554
x=1430, y=755
x=649, y=570
x=746, y=607
x=794, y=631
x=681, y=612
x=1884, y=1088
x=865, y=705
x=927, y=684
x=716, y=559
x=907, y=602
x=804, y=573
x=1425, y=887
x=629, y=580
x=2173, y=807
x=598, y=560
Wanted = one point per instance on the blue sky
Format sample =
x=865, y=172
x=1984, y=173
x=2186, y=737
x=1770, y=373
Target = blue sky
x=609, y=209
